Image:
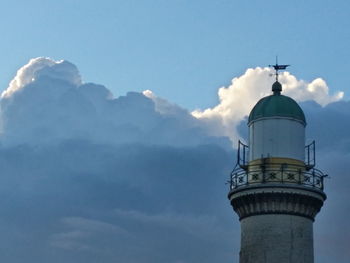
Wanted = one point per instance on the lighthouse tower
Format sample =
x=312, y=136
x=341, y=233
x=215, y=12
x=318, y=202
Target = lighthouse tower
x=274, y=188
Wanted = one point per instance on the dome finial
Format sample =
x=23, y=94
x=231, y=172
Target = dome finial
x=277, y=87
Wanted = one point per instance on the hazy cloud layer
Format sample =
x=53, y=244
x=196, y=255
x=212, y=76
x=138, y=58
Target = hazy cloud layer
x=89, y=177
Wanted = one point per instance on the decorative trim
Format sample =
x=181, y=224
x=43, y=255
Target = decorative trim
x=260, y=203
x=277, y=187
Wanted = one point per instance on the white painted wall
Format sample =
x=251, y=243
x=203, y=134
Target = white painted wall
x=277, y=137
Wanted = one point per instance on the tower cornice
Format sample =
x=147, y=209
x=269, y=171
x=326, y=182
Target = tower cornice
x=277, y=199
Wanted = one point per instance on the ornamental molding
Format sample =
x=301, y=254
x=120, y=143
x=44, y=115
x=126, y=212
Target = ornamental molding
x=299, y=202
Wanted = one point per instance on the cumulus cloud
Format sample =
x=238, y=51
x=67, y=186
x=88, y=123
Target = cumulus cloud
x=47, y=101
x=236, y=100
x=43, y=67
x=165, y=107
x=87, y=176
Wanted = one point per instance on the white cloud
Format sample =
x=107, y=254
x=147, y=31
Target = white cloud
x=237, y=100
x=165, y=107
x=39, y=67
x=47, y=102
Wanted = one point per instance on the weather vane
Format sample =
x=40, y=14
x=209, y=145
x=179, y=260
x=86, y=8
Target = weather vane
x=278, y=67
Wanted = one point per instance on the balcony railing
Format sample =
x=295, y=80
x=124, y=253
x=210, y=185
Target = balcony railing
x=243, y=155
x=280, y=173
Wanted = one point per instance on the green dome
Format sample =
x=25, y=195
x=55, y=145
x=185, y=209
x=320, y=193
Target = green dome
x=277, y=106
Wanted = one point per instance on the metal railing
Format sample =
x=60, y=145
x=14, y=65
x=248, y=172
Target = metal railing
x=280, y=173
x=310, y=155
x=242, y=155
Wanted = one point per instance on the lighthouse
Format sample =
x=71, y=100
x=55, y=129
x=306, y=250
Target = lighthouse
x=275, y=188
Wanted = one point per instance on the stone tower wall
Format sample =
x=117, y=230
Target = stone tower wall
x=276, y=238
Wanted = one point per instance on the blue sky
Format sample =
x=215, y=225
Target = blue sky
x=178, y=49
x=86, y=177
